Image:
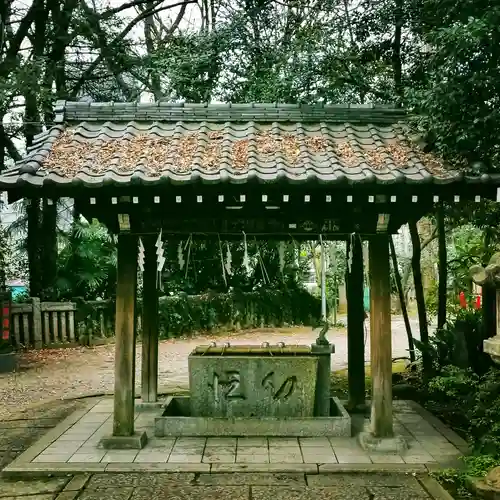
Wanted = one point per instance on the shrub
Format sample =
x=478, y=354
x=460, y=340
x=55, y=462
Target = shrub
x=471, y=403
x=185, y=314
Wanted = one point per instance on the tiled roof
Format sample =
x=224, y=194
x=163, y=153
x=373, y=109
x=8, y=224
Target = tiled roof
x=121, y=143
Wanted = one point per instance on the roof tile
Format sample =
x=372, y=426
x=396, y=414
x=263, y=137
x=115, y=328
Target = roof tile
x=151, y=143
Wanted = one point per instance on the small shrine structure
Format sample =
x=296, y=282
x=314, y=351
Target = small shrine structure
x=267, y=171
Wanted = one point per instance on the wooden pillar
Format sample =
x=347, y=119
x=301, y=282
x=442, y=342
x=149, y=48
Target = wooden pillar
x=149, y=382
x=355, y=325
x=380, y=337
x=123, y=416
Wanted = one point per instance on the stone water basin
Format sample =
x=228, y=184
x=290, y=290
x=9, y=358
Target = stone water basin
x=253, y=391
x=177, y=421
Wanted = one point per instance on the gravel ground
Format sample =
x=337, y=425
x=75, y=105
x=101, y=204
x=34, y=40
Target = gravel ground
x=71, y=372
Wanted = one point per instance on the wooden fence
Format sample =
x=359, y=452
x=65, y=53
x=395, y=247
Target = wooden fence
x=38, y=324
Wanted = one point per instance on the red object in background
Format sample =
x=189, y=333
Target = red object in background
x=463, y=301
x=5, y=322
x=478, y=302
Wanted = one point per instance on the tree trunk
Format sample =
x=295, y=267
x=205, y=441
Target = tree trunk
x=419, y=296
x=33, y=241
x=49, y=249
x=397, y=65
x=443, y=269
x=404, y=310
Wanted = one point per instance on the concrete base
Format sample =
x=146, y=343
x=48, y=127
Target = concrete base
x=135, y=442
x=177, y=421
x=371, y=443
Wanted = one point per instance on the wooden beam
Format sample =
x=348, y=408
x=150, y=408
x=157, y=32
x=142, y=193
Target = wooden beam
x=149, y=382
x=123, y=416
x=380, y=337
x=355, y=324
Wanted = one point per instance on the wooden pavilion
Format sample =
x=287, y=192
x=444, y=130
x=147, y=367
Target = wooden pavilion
x=269, y=171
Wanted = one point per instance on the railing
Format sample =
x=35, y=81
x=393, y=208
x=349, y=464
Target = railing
x=38, y=323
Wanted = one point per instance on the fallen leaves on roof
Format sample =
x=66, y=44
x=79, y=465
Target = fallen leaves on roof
x=155, y=154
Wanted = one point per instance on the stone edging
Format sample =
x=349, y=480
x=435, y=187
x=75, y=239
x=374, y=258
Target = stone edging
x=58, y=469
x=24, y=460
x=448, y=433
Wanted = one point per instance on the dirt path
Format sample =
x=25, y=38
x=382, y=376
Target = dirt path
x=66, y=373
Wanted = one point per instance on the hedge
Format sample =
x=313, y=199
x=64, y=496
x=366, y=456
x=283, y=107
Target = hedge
x=183, y=314
x=186, y=314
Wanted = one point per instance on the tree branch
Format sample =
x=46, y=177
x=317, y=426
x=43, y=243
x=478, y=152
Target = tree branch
x=119, y=38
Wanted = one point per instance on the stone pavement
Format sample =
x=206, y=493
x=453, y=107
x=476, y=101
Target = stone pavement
x=20, y=433
x=233, y=486
x=73, y=446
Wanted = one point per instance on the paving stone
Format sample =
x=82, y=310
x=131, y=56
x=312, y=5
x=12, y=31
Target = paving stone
x=253, y=441
x=48, y=496
x=87, y=457
x=221, y=441
x=181, y=450
x=120, y=456
x=77, y=482
x=420, y=458
x=386, y=480
x=67, y=447
x=74, y=437
x=185, y=458
x=31, y=487
x=52, y=458
x=344, y=443
x=108, y=494
x=441, y=450
x=219, y=458
x=190, y=441
x=383, y=493
x=277, y=441
x=320, y=459
x=257, y=450
x=220, y=449
x=308, y=493
x=315, y=442
x=275, y=468
x=317, y=451
x=249, y=478
x=190, y=492
x=245, y=458
x=346, y=456
x=135, y=479
x=386, y=459
x=285, y=458
x=66, y=495
x=160, y=444
x=151, y=456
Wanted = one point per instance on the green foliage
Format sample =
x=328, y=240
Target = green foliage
x=460, y=78
x=458, y=343
x=184, y=314
x=86, y=263
x=475, y=466
x=467, y=249
x=471, y=403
